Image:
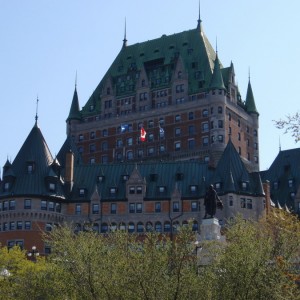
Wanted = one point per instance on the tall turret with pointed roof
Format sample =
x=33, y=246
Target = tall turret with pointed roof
x=217, y=78
x=74, y=115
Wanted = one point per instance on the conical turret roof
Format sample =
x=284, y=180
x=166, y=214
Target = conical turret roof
x=250, y=103
x=217, y=78
x=74, y=113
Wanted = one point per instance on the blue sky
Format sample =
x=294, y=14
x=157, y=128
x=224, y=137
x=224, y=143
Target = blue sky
x=44, y=43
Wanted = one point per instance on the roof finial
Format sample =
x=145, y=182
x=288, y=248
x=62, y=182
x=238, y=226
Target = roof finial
x=125, y=40
x=36, y=110
x=279, y=145
x=76, y=80
x=249, y=74
x=199, y=18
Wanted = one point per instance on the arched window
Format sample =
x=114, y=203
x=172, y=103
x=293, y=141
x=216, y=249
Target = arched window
x=122, y=226
x=104, y=227
x=113, y=226
x=158, y=227
x=149, y=226
x=140, y=227
x=96, y=227
x=131, y=227
x=167, y=226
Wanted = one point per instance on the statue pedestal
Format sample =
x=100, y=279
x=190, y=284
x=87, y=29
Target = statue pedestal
x=208, y=240
x=210, y=229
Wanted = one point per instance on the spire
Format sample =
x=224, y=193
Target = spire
x=199, y=21
x=74, y=113
x=125, y=40
x=250, y=103
x=36, y=110
x=217, y=78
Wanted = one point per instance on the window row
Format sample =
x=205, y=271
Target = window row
x=27, y=204
x=139, y=227
x=15, y=225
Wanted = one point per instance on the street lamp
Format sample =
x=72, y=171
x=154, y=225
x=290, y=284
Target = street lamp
x=33, y=253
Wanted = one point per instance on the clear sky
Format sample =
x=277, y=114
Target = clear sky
x=43, y=43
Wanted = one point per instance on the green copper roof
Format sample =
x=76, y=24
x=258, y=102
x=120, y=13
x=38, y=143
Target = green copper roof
x=217, y=79
x=31, y=167
x=158, y=58
x=231, y=172
x=250, y=103
x=74, y=113
x=284, y=177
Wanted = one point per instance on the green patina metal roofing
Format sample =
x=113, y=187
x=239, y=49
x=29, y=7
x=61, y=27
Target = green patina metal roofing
x=192, y=47
x=285, y=167
x=250, y=103
x=74, y=113
x=155, y=174
x=231, y=172
x=217, y=78
x=33, y=152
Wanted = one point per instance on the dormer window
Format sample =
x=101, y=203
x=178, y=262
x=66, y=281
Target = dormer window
x=6, y=186
x=81, y=192
x=139, y=190
x=52, y=186
x=275, y=185
x=290, y=182
x=244, y=185
x=193, y=188
x=113, y=190
x=125, y=177
x=101, y=178
x=218, y=185
x=30, y=168
x=161, y=189
x=132, y=190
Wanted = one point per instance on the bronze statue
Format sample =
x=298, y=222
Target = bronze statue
x=211, y=202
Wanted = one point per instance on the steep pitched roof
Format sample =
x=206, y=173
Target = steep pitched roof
x=250, y=103
x=217, y=78
x=231, y=172
x=32, y=166
x=74, y=113
x=284, y=177
x=161, y=55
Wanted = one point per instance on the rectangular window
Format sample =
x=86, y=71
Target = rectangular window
x=205, y=127
x=132, y=190
x=131, y=208
x=27, y=225
x=51, y=206
x=249, y=203
x=113, y=208
x=194, y=206
x=78, y=209
x=48, y=227
x=243, y=203
x=12, y=226
x=139, y=190
x=27, y=204
x=52, y=186
x=157, y=207
x=139, y=207
x=176, y=206
x=92, y=148
x=95, y=209
x=205, y=141
x=5, y=226
x=19, y=225
x=43, y=205
x=177, y=146
x=12, y=205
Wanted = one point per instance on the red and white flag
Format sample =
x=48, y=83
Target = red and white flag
x=143, y=134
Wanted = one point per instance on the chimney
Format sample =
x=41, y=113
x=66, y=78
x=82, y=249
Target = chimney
x=69, y=171
x=266, y=187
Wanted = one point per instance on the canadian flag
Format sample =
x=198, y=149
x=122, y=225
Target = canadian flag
x=143, y=134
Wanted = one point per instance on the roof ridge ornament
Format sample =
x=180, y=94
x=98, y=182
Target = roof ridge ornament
x=199, y=19
x=125, y=40
x=36, y=110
